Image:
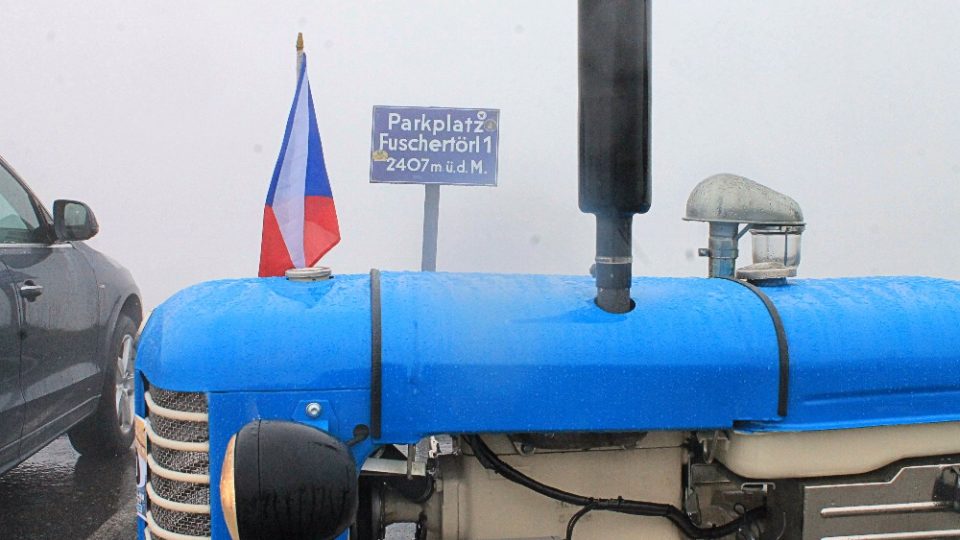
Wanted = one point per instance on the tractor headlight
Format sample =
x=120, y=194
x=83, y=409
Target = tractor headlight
x=287, y=480
x=228, y=499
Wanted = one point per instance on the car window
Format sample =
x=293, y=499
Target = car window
x=19, y=222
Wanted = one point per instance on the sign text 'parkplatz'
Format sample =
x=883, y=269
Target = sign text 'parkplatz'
x=433, y=145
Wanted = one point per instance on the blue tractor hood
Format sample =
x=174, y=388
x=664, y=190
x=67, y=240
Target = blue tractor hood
x=520, y=353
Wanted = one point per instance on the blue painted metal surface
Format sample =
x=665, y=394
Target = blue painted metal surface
x=494, y=353
x=869, y=351
x=472, y=353
x=475, y=353
x=261, y=334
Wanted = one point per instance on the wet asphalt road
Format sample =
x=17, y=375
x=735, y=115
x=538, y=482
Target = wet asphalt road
x=58, y=494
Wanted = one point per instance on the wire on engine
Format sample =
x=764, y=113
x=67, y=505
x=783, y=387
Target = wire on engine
x=682, y=521
x=575, y=518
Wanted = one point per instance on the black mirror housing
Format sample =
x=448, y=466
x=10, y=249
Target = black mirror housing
x=73, y=220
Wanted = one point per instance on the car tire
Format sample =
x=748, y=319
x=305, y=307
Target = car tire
x=109, y=431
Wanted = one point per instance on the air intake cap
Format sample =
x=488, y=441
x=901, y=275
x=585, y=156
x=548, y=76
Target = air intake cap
x=775, y=222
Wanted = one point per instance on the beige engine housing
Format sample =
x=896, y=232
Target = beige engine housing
x=479, y=504
x=474, y=503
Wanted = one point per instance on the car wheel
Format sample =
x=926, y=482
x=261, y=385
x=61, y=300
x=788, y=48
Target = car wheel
x=109, y=431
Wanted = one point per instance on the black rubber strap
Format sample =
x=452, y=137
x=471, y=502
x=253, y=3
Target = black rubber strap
x=376, y=355
x=782, y=346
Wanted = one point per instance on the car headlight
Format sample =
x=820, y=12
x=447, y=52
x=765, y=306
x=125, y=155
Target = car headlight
x=287, y=480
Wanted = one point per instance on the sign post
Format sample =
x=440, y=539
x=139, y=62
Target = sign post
x=431, y=226
x=434, y=146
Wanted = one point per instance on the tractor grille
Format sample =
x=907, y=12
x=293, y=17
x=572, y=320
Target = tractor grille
x=180, y=522
x=181, y=401
x=181, y=491
x=185, y=462
x=179, y=430
x=178, y=483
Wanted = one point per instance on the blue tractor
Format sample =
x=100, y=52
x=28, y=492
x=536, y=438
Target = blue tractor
x=746, y=405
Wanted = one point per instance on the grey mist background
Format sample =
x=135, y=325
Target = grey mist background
x=167, y=118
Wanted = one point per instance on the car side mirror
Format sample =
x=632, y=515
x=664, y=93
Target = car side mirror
x=73, y=220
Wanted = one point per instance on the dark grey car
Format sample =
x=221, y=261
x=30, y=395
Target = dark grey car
x=68, y=320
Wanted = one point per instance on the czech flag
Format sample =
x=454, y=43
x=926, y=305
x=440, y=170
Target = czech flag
x=299, y=220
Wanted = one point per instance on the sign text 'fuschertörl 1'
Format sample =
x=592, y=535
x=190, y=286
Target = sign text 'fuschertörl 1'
x=433, y=145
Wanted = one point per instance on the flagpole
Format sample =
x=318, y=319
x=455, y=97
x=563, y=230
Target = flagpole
x=300, y=57
x=299, y=54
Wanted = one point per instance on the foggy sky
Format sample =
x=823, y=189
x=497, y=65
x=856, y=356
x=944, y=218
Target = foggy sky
x=167, y=117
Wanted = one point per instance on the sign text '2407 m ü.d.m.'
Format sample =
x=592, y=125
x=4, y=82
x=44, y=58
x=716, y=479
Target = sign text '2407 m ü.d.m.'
x=433, y=145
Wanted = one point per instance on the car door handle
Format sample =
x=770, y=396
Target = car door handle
x=31, y=290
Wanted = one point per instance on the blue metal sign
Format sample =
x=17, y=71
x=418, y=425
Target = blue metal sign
x=433, y=145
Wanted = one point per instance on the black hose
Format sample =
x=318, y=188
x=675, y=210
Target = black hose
x=490, y=460
x=575, y=518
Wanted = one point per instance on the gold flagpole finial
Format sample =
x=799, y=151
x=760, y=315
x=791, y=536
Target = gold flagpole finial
x=299, y=41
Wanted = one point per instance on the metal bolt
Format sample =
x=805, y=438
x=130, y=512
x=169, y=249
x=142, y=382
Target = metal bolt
x=314, y=409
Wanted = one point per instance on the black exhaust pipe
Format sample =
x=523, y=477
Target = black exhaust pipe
x=614, y=40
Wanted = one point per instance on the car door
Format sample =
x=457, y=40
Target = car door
x=58, y=302
x=11, y=398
